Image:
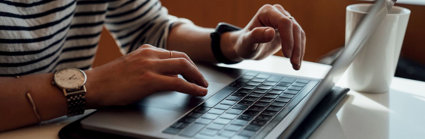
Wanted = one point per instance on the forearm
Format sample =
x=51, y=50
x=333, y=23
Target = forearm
x=196, y=42
x=15, y=108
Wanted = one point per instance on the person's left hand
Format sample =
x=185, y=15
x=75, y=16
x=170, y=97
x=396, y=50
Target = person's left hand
x=270, y=29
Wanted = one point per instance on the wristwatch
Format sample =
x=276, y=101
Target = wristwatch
x=216, y=39
x=72, y=83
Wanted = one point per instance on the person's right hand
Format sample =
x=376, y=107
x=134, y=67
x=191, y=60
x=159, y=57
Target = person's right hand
x=142, y=72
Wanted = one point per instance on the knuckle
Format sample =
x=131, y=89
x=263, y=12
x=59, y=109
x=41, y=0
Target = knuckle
x=184, y=62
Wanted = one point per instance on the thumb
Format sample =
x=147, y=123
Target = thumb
x=260, y=35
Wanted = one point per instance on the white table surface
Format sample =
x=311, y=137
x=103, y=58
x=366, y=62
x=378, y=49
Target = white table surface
x=397, y=114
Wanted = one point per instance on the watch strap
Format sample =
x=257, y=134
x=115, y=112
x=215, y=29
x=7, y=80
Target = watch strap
x=216, y=39
x=76, y=100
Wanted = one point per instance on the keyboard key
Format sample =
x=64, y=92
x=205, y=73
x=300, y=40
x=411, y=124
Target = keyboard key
x=201, y=110
x=254, y=94
x=274, y=78
x=274, y=108
x=280, y=88
x=202, y=136
x=297, y=84
x=249, y=100
x=266, y=100
x=232, y=127
x=258, y=80
x=226, y=133
x=282, y=99
x=245, y=102
x=302, y=81
x=260, y=91
x=254, y=128
x=228, y=102
x=223, y=107
x=209, y=116
x=263, y=75
x=171, y=131
x=256, y=108
x=216, y=111
x=215, y=126
x=228, y=116
x=268, y=113
x=187, y=119
x=203, y=121
x=222, y=121
x=286, y=95
x=194, y=115
x=208, y=132
x=265, y=87
x=247, y=133
x=258, y=122
x=179, y=125
x=278, y=104
x=284, y=84
x=270, y=96
x=240, y=107
x=261, y=104
x=191, y=130
x=276, y=92
x=234, y=111
x=292, y=92
x=250, y=73
x=253, y=83
x=264, y=117
x=247, y=77
x=295, y=88
x=269, y=83
x=239, y=122
x=249, y=87
x=288, y=80
x=234, y=98
x=246, y=117
x=250, y=113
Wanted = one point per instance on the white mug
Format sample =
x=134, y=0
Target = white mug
x=373, y=68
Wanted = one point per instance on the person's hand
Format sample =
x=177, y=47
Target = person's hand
x=270, y=29
x=142, y=72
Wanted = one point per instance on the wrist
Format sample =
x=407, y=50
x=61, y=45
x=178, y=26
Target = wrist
x=228, y=43
x=91, y=94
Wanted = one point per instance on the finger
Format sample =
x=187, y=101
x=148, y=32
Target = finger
x=163, y=53
x=297, y=51
x=181, y=66
x=254, y=38
x=303, y=46
x=177, y=54
x=180, y=85
x=275, y=18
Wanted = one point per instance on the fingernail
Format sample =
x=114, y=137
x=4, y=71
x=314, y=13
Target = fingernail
x=206, y=83
x=204, y=92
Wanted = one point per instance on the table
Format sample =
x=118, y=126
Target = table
x=400, y=113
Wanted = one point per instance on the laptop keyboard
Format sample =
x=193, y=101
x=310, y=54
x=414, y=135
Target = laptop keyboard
x=248, y=107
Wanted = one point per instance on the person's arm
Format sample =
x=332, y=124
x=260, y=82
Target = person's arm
x=123, y=81
x=257, y=40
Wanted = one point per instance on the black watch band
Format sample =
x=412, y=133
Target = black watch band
x=216, y=39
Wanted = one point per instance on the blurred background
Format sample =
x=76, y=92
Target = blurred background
x=322, y=20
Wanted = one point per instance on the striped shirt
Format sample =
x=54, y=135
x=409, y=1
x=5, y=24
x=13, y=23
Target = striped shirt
x=40, y=36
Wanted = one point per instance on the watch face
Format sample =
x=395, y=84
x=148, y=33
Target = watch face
x=70, y=78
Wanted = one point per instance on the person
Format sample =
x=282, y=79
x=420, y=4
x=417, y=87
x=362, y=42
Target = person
x=40, y=38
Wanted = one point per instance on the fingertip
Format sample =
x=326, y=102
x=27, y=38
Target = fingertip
x=203, y=91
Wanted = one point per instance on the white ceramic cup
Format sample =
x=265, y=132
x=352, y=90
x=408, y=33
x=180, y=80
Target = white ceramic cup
x=373, y=69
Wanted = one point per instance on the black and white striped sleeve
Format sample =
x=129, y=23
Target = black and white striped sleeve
x=137, y=22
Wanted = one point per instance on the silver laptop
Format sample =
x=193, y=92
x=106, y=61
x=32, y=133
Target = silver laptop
x=240, y=103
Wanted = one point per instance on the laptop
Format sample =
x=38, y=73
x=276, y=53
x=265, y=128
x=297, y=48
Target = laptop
x=240, y=103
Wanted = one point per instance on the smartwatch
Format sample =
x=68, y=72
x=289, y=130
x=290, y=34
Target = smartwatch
x=216, y=39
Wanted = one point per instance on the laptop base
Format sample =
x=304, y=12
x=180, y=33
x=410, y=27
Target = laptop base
x=74, y=130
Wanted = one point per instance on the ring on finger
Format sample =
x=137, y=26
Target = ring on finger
x=171, y=54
